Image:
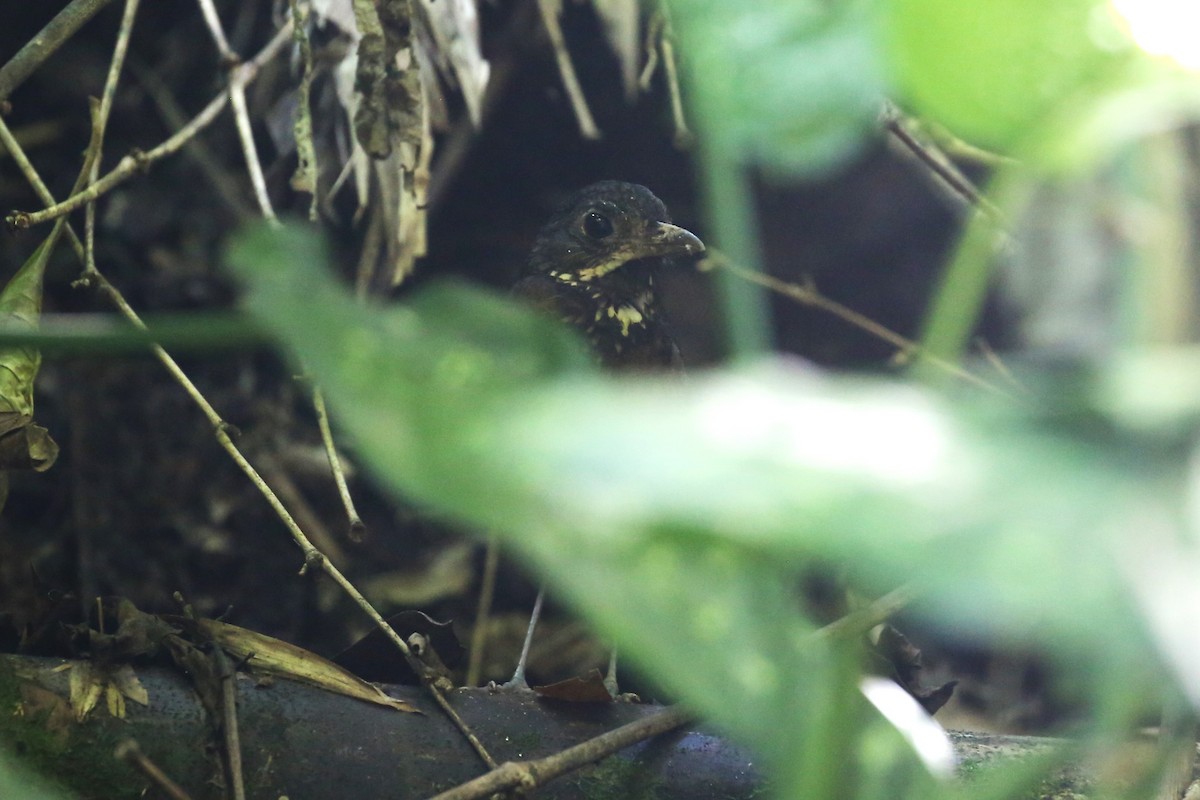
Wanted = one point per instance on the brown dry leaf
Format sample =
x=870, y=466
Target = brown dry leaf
x=25, y=444
x=86, y=686
x=89, y=682
x=270, y=656
x=387, y=104
x=588, y=689
x=621, y=28
x=450, y=573
x=388, y=82
x=37, y=702
x=454, y=27
x=127, y=683
x=114, y=701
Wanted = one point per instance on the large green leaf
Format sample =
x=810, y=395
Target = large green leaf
x=678, y=514
x=17, y=782
x=792, y=85
x=995, y=71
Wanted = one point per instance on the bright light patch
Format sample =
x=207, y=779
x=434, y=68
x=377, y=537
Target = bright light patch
x=904, y=444
x=1164, y=28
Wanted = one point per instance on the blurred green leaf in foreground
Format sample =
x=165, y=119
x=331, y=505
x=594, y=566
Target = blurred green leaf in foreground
x=678, y=516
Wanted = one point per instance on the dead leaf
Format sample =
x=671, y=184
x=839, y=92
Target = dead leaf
x=588, y=689
x=267, y=655
x=88, y=682
x=621, y=28
x=54, y=710
x=127, y=683
x=25, y=444
x=454, y=27
x=85, y=689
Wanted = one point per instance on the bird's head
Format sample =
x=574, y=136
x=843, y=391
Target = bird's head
x=604, y=227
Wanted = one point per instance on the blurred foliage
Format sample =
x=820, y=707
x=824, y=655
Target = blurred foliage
x=679, y=517
x=16, y=781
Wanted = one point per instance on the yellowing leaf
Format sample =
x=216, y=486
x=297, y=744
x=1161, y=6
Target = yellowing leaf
x=269, y=656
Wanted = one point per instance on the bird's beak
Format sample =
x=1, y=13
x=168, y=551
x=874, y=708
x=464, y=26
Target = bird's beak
x=665, y=239
x=657, y=239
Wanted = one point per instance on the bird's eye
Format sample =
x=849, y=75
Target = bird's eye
x=596, y=225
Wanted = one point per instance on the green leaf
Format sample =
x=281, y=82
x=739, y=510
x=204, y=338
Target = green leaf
x=994, y=71
x=20, y=306
x=793, y=85
x=17, y=781
x=678, y=515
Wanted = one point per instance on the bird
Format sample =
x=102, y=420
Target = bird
x=593, y=267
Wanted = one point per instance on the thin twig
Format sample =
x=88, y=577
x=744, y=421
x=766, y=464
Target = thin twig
x=312, y=557
x=131, y=164
x=683, y=135
x=100, y=124
x=335, y=465
x=129, y=752
x=241, y=114
x=937, y=163
x=527, y=775
x=808, y=295
x=550, y=10
x=993, y=358
x=173, y=115
x=39, y=188
x=229, y=722
x=213, y=21
x=309, y=520
x=46, y=42
x=654, y=30
x=861, y=620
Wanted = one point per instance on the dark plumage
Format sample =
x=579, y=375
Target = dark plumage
x=593, y=267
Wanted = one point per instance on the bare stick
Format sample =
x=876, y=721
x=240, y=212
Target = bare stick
x=129, y=752
x=937, y=163
x=213, y=21
x=173, y=115
x=131, y=164
x=335, y=465
x=229, y=722
x=241, y=114
x=527, y=775
x=312, y=557
x=683, y=136
x=876, y=612
x=809, y=296
x=281, y=483
x=48, y=40
x=654, y=30
x=100, y=123
x=27, y=169
x=550, y=10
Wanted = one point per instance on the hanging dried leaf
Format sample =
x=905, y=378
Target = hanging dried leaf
x=621, y=29
x=305, y=177
x=388, y=79
x=339, y=12
x=454, y=28
x=24, y=445
x=20, y=307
